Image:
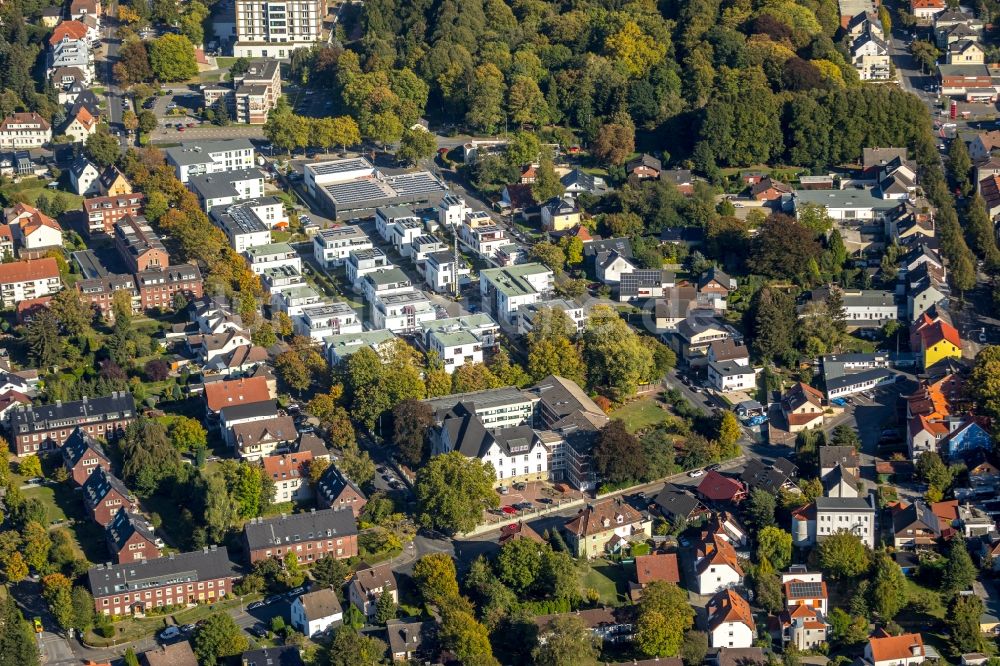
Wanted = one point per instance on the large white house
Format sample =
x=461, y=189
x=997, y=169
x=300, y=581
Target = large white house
x=717, y=567
x=332, y=246
x=325, y=319
x=315, y=612
x=275, y=28
x=401, y=311
x=24, y=280
x=504, y=290
x=461, y=340
x=273, y=255
x=192, y=158
x=828, y=515
x=21, y=131
x=730, y=621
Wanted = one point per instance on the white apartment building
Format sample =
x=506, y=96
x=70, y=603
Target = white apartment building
x=452, y=210
x=401, y=312
x=24, y=130
x=829, y=515
x=333, y=246
x=273, y=255
x=362, y=262
x=192, y=158
x=388, y=217
x=440, y=269
x=526, y=314
x=24, y=280
x=242, y=225
x=275, y=28
x=461, y=340
x=484, y=240
x=223, y=189
x=504, y=290
x=383, y=282
x=729, y=376
x=292, y=300
x=325, y=319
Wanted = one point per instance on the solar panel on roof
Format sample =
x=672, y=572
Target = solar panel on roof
x=806, y=590
x=339, y=166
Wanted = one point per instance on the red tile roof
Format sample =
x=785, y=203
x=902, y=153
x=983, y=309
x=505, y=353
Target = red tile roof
x=718, y=487
x=288, y=466
x=33, y=269
x=658, y=566
x=938, y=331
x=235, y=392
x=729, y=606
x=892, y=648
x=21, y=118
x=71, y=29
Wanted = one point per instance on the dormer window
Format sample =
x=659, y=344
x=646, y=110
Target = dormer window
x=619, y=519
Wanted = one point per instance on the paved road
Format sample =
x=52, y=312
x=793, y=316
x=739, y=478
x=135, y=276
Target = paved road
x=112, y=92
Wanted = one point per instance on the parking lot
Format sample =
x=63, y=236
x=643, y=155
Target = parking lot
x=525, y=499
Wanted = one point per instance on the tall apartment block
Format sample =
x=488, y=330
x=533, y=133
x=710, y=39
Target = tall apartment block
x=273, y=29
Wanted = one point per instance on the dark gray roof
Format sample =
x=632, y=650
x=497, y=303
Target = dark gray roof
x=210, y=563
x=645, y=160
x=622, y=246
x=831, y=456
x=219, y=185
x=632, y=282
x=62, y=414
x=758, y=475
x=99, y=484
x=123, y=526
x=279, y=655
x=249, y=410
x=333, y=482
x=675, y=501
x=836, y=477
x=466, y=431
x=77, y=445
x=299, y=527
x=855, y=378
x=409, y=636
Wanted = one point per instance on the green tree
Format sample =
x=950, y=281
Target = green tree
x=775, y=545
x=74, y=317
x=979, y=229
x=385, y=609
x=218, y=638
x=664, y=616
x=130, y=657
x=486, y=99
x=385, y=128
x=963, y=619
x=551, y=350
x=695, y=648
x=519, y=564
x=171, y=58
x=411, y=421
x=615, y=356
x=760, y=509
x=187, y=434
x=783, y=248
x=888, y=587
x=615, y=141
x=568, y=642
x=83, y=608
x=102, y=148
x=330, y=572
x=984, y=381
x=618, y=457
x=44, y=342
x=729, y=434
x=452, y=492
x=547, y=183
x=526, y=102
x=147, y=121
x=15, y=568
x=772, y=317
x=550, y=255
x=959, y=165
x=436, y=579
x=57, y=591
x=17, y=641
x=293, y=371
x=37, y=545
x=30, y=466
x=959, y=571
x=416, y=145
x=349, y=648
x=842, y=555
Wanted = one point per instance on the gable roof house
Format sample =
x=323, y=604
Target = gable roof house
x=838, y=456
x=718, y=488
x=314, y=612
x=652, y=568
x=675, y=503
x=130, y=538
x=335, y=490
x=311, y=536
x=644, y=166
x=82, y=454
x=903, y=650
x=605, y=526
x=84, y=177
x=367, y=586
x=104, y=494
x=730, y=621
x=261, y=430
x=717, y=566
x=81, y=125
x=802, y=408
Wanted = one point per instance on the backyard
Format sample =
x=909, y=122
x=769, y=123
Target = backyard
x=609, y=579
x=642, y=413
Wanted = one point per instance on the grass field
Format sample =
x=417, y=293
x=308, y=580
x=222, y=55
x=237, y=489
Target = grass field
x=641, y=414
x=610, y=581
x=224, y=62
x=30, y=188
x=47, y=496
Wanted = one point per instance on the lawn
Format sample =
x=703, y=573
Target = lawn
x=64, y=508
x=641, y=414
x=132, y=630
x=610, y=580
x=47, y=495
x=224, y=62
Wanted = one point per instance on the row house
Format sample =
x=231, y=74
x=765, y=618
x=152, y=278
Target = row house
x=21, y=131
x=333, y=246
x=130, y=538
x=310, y=536
x=181, y=579
x=139, y=246
x=158, y=288
x=25, y=280
x=104, y=212
x=104, y=494
x=48, y=426
x=98, y=292
x=82, y=454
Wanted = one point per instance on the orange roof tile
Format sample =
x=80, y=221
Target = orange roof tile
x=658, y=566
x=236, y=392
x=288, y=466
x=71, y=29
x=938, y=331
x=729, y=606
x=891, y=648
x=718, y=551
x=32, y=269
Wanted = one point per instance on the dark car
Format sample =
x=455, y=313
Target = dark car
x=258, y=631
x=713, y=468
x=272, y=599
x=255, y=605
x=307, y=429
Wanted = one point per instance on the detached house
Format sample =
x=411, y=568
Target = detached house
x=904, y=650
x=368, y=585
x=730, y=621
x=717, y=567
x=802, y=407
x=104, y=494
x=935, y=341
x=290, y=474
x=84, y=177
x=607, y=526
x=21, y=131
x=34, y=232
x=81, y=126
x=315, y=612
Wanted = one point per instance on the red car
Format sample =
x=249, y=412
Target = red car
x=180, y=128
x=509, y=510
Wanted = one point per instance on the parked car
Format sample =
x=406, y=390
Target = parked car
x=713, y=468
x=255, y=605
x=170, y=632
x=695, y=473
x=504, y=490
x=524, y=506
x=258, y=631
x=294, y=592
x=982, y=337
x=272, y=599
x=306, y=429
x=396, y=484
x=188, y=628
x=180, y=128
x=509, y=510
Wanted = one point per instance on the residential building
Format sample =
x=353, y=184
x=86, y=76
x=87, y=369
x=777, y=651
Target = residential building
x=773, y=478
x=226, y=393
x=193, y=158
x=929, y=413
x=311, y=536
x=84, y=177
x=606, y=625
x=130, y=538
x=362, y=262
x=965, y=52
x=936, y=341
x=802, y=408
x=274, y=255
x=840, y=483
x=504, y=290
x=333, y=246
x=211, y=346
x=175, y=654
x=608, y=526
x=675, y=502
x=281, y=655
x=717, y=567
x=34, y=232
x=259, y=438
x=403, y=312
x=863, y=308
x=613, y=267
x=258, y=417
x=292, y=300
x=82, y=454
x=729, y=376
x=829, y=515
x=139, y=246
x=694, y=336
x=321, y=320
x=201, y=576
x=340, y=347
x=526, y=314
x=905, y=649
x=80, y=126
x=113, y=182
x=644, y=166
x=460, y=340
x=730, y=621
x=970, y=81
x=104, y=494
x=281, y=278
x=870, y=55
x=409, y=641
x=26, y=280
x=442, y=270
x=368, y=585
x=851, y=206
x=266, y=29
x=577, y=181
x=653, y=568
x=926, y=9
x=336, y=491
x=24, y=130
x=315, y=612
x=48, y=426
x=242, y=225
x=229, y=187
x=497, y=408
x=289, y=472
x=104, y=212
x=249, y=98
x=98, y=292
x=158, y=287
x=69, y=46
x=640, y=285
x=559, y=214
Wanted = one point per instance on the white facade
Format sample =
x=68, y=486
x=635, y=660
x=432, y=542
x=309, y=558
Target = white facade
x=384, y=282
x=717, y=577
x=275, y=28
x=440, y=271
x=731, y=634
x=504, y=290
x=292, y=300
x=274, y=255
x=310, y=626
x=332, y=246
x=84, y=178
x=20, y=283
x=729, y=376
x=611, y=271
x=526, y=314
x=452, y=211
x=325, y=319
x=362, y=262
x=197, y=157
x=401, y=312
x=461, y=340
x=835, y=514
x=242, y=239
